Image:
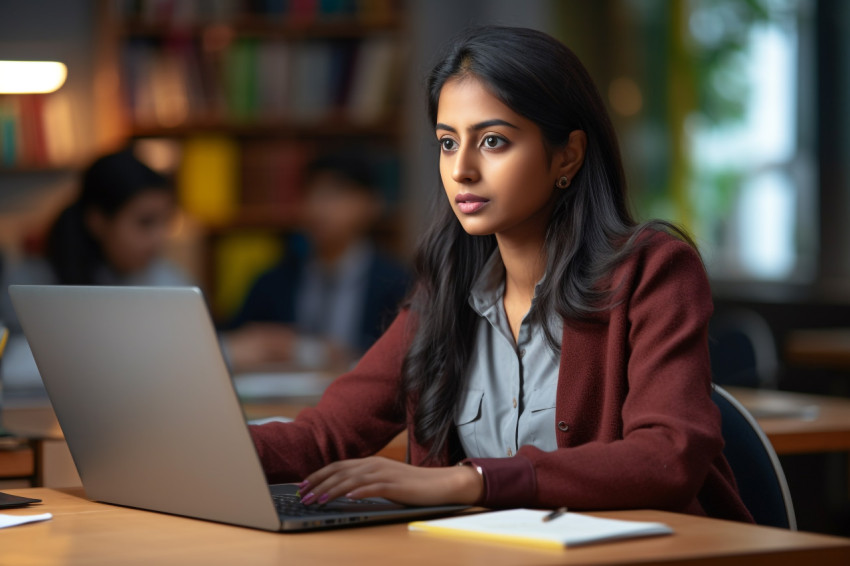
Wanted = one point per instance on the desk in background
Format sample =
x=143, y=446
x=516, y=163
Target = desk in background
x=83, y=532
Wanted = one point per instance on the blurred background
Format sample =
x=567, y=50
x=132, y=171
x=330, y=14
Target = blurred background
x=732, y=115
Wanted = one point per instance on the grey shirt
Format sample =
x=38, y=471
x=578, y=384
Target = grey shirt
x=509, y=399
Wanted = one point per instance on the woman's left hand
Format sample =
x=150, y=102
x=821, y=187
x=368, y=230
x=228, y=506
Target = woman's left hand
x=403, y=483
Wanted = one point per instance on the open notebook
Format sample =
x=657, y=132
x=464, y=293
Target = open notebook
x=526, y=527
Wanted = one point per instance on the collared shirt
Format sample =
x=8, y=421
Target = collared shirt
x=331, y=298
x=509, y=399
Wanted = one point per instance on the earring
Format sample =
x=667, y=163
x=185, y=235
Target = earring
x=563, y=182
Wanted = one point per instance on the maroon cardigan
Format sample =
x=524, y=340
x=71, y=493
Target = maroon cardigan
x=635, y=423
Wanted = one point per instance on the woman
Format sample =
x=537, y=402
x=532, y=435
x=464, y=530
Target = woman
x=113, y=233
x=551, y=343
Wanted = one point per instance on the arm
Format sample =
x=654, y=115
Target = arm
x=659, y=449
x=358, y=415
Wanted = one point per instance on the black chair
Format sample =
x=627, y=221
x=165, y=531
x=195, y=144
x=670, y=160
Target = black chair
x=758, y=473
x=743, y=350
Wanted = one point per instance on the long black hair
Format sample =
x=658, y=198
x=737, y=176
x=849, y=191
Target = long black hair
x=108, y=185
x=590, y=230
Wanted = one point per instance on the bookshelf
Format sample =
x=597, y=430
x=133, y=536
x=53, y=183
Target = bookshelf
x=246, y=93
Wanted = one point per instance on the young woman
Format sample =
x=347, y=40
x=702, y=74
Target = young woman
x=551, y=343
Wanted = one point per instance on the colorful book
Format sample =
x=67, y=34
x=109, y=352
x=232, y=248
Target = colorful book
x=208, y=178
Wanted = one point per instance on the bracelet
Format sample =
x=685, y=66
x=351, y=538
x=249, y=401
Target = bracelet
x=474, y=465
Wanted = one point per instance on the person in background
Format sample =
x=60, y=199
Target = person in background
x=113, y=233
x=326, y=302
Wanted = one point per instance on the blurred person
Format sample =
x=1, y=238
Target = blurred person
x=114, y=233
x=326, y=302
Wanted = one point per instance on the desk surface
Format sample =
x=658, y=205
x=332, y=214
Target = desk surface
x=83, y=532
x=797, y=423
x=822, y=347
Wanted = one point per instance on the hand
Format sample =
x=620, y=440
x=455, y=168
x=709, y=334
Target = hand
x=402, y=483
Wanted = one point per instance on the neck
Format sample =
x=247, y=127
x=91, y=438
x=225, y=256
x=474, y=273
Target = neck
x=525, y=264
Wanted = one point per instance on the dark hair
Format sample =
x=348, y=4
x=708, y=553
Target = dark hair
x=108, y=185
x=351, y=165
x=590, y=230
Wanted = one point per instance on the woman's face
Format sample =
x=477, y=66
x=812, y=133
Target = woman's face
x=136, y=235
x=493, y=163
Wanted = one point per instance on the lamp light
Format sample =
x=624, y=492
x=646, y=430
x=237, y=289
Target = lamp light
x=25, y=77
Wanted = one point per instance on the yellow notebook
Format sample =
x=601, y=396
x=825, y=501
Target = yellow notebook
x=526, y=527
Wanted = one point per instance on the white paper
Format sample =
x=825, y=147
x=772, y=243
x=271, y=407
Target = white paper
x=570, y=529
x=15, y=520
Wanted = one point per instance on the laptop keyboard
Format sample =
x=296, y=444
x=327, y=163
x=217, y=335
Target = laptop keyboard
x=291, y=506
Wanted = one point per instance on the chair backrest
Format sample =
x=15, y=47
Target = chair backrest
x=743, y=350
x=758, y=473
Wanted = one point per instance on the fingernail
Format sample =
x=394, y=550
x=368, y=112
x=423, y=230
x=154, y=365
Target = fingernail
x=303, y=484
x=351, y=495
x=324, y=499
x=307, y=499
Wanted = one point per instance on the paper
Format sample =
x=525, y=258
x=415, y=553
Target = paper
x=15, y=520
x=526, y=526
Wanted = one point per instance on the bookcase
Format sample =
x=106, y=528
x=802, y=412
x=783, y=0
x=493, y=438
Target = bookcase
x=242, y=94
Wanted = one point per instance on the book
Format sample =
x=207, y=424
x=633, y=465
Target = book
x=208, y=178
x=526, y=527
x=240, y=258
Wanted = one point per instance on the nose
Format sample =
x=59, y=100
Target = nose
x=465, y=168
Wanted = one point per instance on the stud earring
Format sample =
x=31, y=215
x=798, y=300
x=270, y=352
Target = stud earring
x=563, y=182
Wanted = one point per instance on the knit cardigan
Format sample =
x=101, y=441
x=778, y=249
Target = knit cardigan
x=634, y=420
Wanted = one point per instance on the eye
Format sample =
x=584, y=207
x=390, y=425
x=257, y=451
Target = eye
x=494, y=142
x=448, y=144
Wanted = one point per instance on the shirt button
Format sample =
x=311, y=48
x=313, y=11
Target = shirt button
x=563, y=427
x=510, y=452
x=514, y=402
x=522, y=353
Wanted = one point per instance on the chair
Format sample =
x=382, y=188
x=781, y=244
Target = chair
x=743, y=350
x=758, y=473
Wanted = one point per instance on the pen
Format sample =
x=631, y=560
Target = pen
x=554, y=514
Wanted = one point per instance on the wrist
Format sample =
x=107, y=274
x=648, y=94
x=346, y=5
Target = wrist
x=471, y=482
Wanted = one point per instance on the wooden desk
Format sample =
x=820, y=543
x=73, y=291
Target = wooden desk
x=796, y=423
x=83, y=532
x=824, y=348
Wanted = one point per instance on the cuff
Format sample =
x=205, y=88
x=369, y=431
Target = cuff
x=508, y=482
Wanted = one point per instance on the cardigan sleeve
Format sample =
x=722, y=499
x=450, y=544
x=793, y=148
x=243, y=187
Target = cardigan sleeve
x=653, y=384
x=357, y=416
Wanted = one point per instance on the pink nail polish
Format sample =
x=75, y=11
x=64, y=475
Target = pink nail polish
x=324, y=498
x=307, y=499
x=303, y=484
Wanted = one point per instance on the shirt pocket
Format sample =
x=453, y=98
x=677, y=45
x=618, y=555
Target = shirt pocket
x=541, y=425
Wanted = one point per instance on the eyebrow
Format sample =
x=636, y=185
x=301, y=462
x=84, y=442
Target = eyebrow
x=478, y=126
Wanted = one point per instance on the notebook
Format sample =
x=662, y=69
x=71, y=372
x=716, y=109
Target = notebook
x=526, y=527
x=148, y=408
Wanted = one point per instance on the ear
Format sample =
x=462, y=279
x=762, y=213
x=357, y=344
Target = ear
x=569, y=159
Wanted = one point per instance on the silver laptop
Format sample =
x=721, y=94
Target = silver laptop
x=145, y=400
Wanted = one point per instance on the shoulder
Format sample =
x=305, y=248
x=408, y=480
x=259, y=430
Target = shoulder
x=661, y=267
x=655, y=250
x=30, y=271
x=163, y=273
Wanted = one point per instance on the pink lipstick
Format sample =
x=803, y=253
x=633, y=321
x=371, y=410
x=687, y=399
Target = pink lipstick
x=469, y=203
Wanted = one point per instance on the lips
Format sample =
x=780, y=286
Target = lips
x=469, y=203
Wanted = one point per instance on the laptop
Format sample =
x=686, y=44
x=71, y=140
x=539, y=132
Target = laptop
x=149, y=411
